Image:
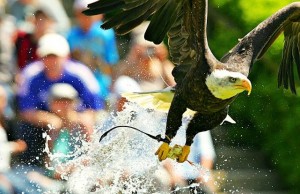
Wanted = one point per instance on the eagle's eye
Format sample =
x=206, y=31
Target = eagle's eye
x=232, y=79
x=242, y=50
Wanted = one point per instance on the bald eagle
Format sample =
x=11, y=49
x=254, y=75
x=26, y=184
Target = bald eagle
x=203, y=84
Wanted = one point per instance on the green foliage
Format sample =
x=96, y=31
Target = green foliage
x=269, y=118
x=257, y=10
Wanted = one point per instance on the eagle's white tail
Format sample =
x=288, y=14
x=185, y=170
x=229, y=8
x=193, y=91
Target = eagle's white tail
x=160, y=100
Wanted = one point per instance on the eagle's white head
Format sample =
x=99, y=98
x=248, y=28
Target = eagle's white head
x=225, y=84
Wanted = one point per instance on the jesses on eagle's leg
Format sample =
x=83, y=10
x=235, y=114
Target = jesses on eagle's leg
x=174, y=121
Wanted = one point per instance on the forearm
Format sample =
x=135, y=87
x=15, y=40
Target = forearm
x=207, y=163
x=17, y=146
x=85, y=119
x=41, y=118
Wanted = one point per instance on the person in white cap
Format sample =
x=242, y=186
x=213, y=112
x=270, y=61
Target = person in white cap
x=38, y=77
x=93, y=46
x=63, y=100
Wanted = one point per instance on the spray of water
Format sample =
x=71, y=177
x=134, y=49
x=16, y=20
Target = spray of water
x=123, y=162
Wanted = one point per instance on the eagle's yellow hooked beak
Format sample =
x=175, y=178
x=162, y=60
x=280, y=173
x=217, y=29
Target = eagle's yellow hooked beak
x=247, y=85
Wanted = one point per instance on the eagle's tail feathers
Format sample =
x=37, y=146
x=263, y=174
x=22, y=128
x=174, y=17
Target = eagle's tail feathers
x=156, y=100
x=229, y=120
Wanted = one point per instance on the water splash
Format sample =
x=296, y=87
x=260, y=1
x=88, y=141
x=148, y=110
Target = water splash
x=123, y=162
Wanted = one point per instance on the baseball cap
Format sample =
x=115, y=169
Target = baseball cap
x=52, y=43
x=126, y=84
x=138, y=35
x=63, y=91
x=82, y=4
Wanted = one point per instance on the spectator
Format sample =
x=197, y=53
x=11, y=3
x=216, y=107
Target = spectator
x=93, y=46
x=7, y=67
x=26, y=42
x=65, y=144
x=202, y=155
x=63, y=102
x=122, y=85
x=13, y=180
x=33, y=96
x=7, y=185
x=7, y=28
x=7, y=147
x=146, y=68
x=22, y=10
x=147, y=63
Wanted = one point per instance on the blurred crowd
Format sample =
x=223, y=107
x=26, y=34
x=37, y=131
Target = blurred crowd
x=60, y=76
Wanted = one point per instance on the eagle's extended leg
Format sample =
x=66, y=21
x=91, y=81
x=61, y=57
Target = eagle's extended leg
x=194, y=127
x=200, y=123
x=173, y=123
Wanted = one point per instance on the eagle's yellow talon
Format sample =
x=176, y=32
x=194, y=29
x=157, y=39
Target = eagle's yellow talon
x=184, y=155
x=163, y=151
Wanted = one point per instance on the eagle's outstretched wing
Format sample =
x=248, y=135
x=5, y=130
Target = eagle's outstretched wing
x=128, y=14
x=256, y=43
x=167, y=17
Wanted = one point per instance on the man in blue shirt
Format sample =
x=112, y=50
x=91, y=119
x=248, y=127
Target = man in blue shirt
x=93, y=46
x=33, y=95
